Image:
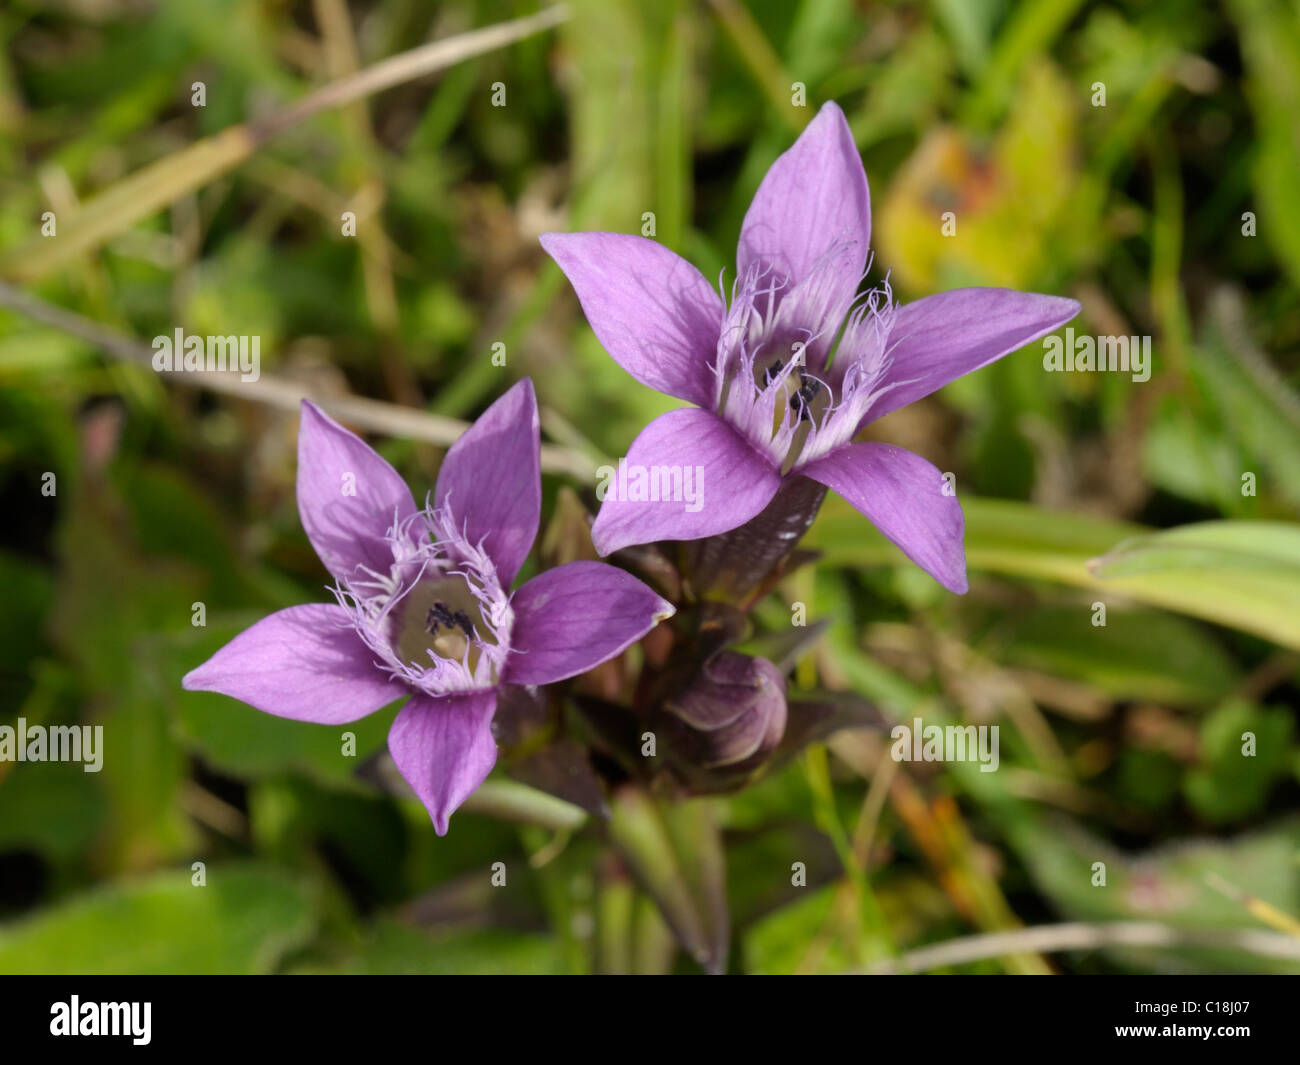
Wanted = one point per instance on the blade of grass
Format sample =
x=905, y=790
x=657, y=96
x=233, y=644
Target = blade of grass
x=1259, y=908
x=372, y=414
x=163, y=182
x=761, y=59
x=1080, y=936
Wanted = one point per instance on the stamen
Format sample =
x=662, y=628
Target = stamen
x=801, y=401
x=775, y=383
x=439, y=620
x=439, y=614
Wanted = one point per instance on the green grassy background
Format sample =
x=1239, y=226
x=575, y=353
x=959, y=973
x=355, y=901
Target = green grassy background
x=1119, y=744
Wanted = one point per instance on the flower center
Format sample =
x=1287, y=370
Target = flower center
x=442, y=618
x=777, y=386
x=438, y=619
x=800, y=402
x=800, y=392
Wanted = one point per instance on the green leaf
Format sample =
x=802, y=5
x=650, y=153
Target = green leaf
x=1190, y=456
x=1233, y=783
x=1137, y=654
x=1213, y=546
x=1245, y=400
x=1238, y=573
x=1245, y=575
x=28, y=593
x=395, y=948
x=242, y=921
x=110, y=603
x=55, y=808
x=1171, y=884
x=777, y=944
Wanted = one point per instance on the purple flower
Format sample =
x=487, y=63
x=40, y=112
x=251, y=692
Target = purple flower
x=423, y=608
x=787, y=375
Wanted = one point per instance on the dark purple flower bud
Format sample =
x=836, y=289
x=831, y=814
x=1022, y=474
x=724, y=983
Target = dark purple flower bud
x=719, y=731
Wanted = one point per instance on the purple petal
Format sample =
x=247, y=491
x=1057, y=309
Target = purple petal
x=650, y=309
x=443, y=747
x=813, y=199
x=939, y=338
x=306, y=663
x=576, y=616
x=491, y=478
x=726, y=480
x=348, y=496
x=902, y=495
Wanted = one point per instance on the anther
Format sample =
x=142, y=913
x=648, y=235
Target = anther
x=440, y=614
x=801, y=400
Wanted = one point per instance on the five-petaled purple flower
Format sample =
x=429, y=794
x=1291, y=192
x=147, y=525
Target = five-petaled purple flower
x=787, y=376
x=423, y=604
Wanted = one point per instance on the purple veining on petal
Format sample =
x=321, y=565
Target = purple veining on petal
x=572, y=618
x=654, y=312
x=904, y=497
x=735, y=483
x=814, y=197
x=444, y=749
x=304, y=663
x=346, y=493
x=491, y=477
